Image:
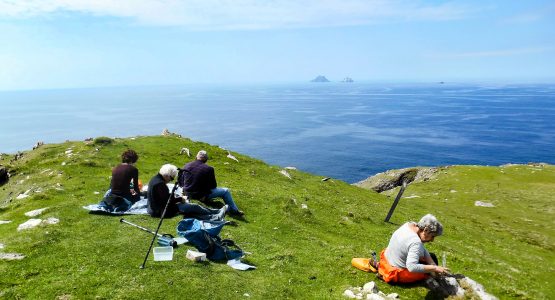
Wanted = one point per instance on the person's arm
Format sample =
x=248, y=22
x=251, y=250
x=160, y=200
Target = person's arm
x=136, y=181
x=212, y=179
x=414, y=265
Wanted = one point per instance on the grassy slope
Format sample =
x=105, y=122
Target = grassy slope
x=300, y=253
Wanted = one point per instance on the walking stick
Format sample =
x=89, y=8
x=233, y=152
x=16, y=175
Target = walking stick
x=160, y=223
x=396, y=201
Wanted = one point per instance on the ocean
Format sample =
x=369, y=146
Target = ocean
x=347, y=131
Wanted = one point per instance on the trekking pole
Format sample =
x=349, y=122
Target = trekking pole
x=160, y=223
x=163, y=239
x=396, y=201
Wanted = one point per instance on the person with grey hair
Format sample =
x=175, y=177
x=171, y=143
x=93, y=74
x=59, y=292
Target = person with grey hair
x=405, y=259
x=199, y=183
x=158, y=195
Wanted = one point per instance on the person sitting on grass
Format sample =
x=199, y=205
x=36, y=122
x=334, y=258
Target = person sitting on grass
x=124, y=186
x=158, y=195
x=199, y=183
x=405, y=259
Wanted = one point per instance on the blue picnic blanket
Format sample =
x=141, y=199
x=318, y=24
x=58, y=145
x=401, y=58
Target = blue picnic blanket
x=138, y=208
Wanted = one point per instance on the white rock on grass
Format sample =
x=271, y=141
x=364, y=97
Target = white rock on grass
x=31, y=223
x=290, y=168
x=412, y=196
x=349, y=294
x=4, y=222
x=24, y=195
x=483, y=204
x=51, y=221
x=304, y=206
x=370, y=287
x=35, y=212
x=11, y=256
x=285, y=173
x=185, y=151
x=1, y=246
x=374, y=297
x=393, y=296
x=478, y=289
x=230, y=156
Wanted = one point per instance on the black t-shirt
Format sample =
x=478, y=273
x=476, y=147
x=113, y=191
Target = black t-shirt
x=122, y=175
x=158, y=195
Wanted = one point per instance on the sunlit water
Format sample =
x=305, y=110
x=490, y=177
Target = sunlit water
x=342, y=130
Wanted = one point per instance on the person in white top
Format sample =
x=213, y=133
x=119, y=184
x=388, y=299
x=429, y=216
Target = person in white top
x=405, y=259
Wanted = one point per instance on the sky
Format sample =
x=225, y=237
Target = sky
x=52, y=44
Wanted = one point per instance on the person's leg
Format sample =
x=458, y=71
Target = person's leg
x=225, y=194
x=202, y=213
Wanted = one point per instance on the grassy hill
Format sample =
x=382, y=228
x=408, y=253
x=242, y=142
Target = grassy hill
x=300, y=253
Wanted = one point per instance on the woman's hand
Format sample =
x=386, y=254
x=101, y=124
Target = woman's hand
x=441, y=270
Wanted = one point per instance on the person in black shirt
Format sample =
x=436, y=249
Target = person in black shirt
x=124, y=186
x=158, y=195
x=199, y=182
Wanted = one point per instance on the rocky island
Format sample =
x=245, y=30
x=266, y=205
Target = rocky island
x=320, y=78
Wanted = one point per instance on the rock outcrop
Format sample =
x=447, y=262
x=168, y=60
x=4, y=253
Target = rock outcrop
x=320, y=78
x=393, y=178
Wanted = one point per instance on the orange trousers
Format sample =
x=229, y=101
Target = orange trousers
x=391, y=274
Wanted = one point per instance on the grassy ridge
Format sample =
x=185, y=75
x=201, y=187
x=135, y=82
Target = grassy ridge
x=300, y=253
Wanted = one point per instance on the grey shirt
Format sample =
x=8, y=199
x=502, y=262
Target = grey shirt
x=405, y=249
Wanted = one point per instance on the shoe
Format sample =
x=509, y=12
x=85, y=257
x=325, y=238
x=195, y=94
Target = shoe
x=238, y=213
x=221, y=214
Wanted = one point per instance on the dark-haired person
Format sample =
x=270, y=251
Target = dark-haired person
x=158, y=195
x=121, y=195
x=405, y=259
x=199, y=182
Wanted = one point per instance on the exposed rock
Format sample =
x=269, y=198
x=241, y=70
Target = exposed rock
x=17, y=156
x=290, y=168
x=394, y=178
x=477, y=288
x=165, y=132
x=483, y=204
x=232, y=157
x=51, y=221
x=370, y=287
x=185, y=151
x=304, y=206
x=2, y=246
x=320, y=78
x=23, y=196
x=11, y=256
x=31, y=223
x=38, y=144
x=4, y=222
x=349, y=294
x=285, y=173
x=4, y=175
x=368, y=291
x=35, y=212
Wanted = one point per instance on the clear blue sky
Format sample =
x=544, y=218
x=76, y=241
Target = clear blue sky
x=84, y=43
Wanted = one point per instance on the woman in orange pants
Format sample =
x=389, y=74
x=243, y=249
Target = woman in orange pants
x=405, y=259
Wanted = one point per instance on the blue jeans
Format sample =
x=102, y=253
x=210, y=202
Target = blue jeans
x=198, y=212
x=225, y=194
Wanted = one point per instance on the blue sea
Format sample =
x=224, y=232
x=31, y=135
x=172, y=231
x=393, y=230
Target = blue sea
x=347, y=131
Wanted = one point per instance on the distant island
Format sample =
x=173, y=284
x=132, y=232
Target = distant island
x=320, y=78
x=347, y=79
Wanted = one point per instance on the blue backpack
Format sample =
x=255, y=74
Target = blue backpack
x=204, y=235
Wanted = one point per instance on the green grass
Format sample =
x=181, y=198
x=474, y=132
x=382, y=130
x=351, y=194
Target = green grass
x=300, y=253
